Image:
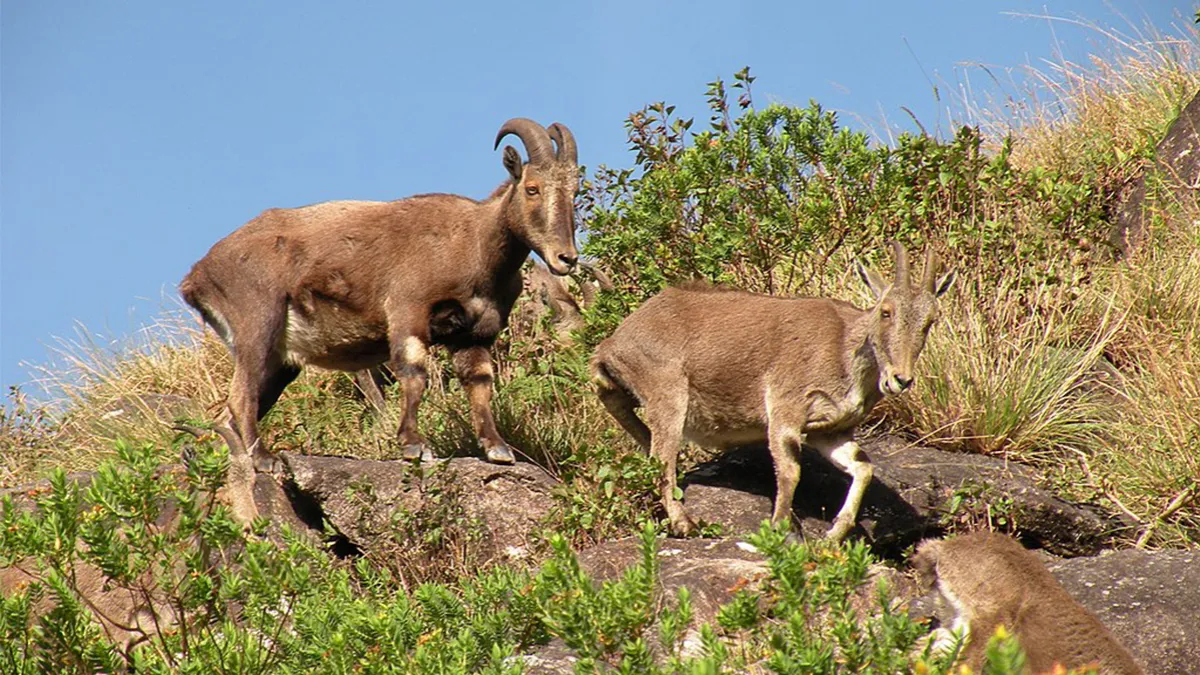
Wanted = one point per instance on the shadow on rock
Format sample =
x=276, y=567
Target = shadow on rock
x=910, y=497
x=737, y=491
x=374, y=505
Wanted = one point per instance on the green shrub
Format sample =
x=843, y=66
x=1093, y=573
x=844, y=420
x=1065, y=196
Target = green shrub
x=221, y=600
x=776, y=201
x=218, y=600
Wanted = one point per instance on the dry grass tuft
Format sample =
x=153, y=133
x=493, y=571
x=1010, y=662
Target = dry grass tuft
x=1096, y=380
x=1066, y=115
x=1101, y=390
x=1002, y=376
x=1149, y=460
x=97, y=392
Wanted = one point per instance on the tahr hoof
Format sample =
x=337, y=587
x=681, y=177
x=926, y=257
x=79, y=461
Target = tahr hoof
x=500, y=454
x=417, y=452
x=839, y=530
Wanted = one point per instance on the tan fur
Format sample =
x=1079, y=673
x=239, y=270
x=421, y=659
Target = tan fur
x=724, y=368
x=988, y=580
x=349, y=285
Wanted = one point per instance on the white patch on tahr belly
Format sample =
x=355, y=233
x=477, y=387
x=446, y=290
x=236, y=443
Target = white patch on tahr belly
x=331, y=338
x=300, y=340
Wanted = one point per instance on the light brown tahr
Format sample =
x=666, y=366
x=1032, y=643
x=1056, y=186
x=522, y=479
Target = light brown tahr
x=351, y=284
x=986, y=580
x=724, y=368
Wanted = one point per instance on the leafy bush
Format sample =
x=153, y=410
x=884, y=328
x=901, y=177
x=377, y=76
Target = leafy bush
x=154, y=536
x=211, y=598
x=776, y=200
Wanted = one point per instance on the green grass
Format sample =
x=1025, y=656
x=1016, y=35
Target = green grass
x=1002, y=375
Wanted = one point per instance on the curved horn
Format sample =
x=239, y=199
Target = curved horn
x=532, y=134
x=901, y=263
x=933, y=268
x=565, y=140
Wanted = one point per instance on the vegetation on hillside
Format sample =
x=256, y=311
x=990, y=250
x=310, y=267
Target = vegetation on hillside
x=1052, y=351
x=292, y=608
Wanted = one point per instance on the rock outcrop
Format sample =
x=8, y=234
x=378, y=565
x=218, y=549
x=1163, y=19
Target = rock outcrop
x=1174, y=176
x=909, y=498
x=369, y=501
x=712, y=569
x=1149, y=599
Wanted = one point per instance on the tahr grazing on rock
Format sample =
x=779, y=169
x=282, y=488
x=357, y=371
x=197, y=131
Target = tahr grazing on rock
x=348, y=285
x=724, y=368
x=987, y=580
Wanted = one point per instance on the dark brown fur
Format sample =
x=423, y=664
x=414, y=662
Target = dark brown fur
x=350, y=285
x=724, y=368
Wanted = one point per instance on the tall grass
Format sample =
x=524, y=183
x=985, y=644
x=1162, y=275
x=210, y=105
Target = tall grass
x=94, y=392
x=1100, y=387
x=1065, y=114
x=1150, y=458
x=1003, y=376
x=1096, y=379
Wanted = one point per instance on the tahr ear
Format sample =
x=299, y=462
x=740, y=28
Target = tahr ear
x=945, y=282
x=512, y=162
x=872, y=279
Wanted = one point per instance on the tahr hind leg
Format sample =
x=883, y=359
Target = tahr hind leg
x=408, y=355
x=665, y=417
x=259, y=377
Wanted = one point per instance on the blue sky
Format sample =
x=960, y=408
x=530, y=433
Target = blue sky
x=135, y=134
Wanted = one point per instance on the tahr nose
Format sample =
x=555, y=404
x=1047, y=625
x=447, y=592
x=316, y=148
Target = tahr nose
x=903, y=382
x=568, y=260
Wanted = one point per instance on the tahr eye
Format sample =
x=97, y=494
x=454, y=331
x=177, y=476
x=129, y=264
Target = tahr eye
x=885, y=313
x=531, y=190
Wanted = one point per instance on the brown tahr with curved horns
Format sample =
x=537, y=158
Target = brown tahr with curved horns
x=349, y=285
x=724, y=368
